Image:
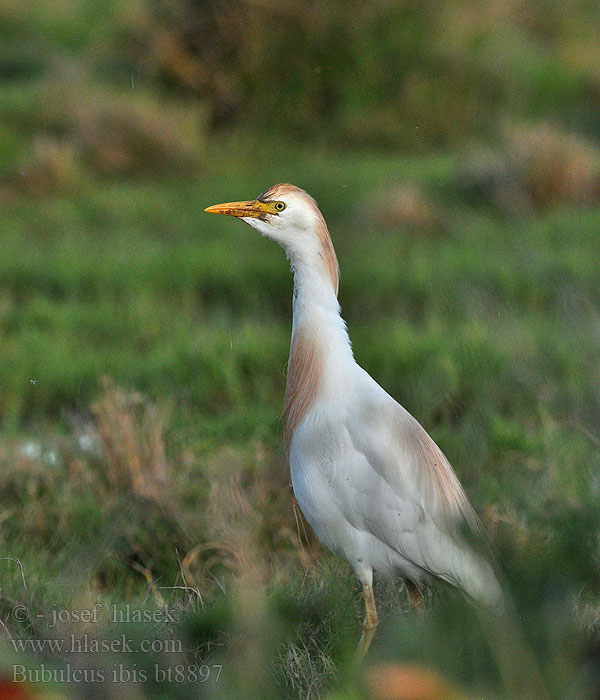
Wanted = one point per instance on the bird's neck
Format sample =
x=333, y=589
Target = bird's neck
x=316, y=310
x=320, y=346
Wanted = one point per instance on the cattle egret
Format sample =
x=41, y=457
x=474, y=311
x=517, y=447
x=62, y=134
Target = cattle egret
x=373, y=485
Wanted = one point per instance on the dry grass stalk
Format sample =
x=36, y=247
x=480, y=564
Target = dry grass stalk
x=132, y=435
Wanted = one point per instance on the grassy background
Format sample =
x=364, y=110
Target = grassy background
x=454, y=152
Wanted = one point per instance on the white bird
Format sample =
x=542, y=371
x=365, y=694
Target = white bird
x=373, y=485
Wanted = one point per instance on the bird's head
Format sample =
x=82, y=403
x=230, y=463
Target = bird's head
x=289, y=216
x=283, y=213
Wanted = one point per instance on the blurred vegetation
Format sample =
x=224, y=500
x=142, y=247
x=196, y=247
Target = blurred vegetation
x=454, y=148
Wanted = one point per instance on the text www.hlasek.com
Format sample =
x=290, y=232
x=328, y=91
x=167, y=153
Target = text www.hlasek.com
x=89, y=645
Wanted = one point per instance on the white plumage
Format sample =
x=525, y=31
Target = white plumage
x=370, y=481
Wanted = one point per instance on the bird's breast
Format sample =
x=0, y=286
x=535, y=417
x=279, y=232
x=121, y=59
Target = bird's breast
x=304, y=378
x=316, y=457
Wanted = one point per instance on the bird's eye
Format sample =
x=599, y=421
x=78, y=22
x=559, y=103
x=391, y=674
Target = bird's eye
x=279, y=206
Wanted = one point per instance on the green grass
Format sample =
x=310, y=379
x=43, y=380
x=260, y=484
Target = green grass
x=143, y=343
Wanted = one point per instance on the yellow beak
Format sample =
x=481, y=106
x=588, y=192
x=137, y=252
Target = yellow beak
x=253, y=209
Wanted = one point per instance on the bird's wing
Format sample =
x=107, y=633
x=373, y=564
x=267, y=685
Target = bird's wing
x=410, y=498
x=399, y=449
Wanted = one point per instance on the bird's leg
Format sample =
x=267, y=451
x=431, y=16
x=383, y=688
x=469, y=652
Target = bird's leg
x=369, y=625
x=415, y=597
